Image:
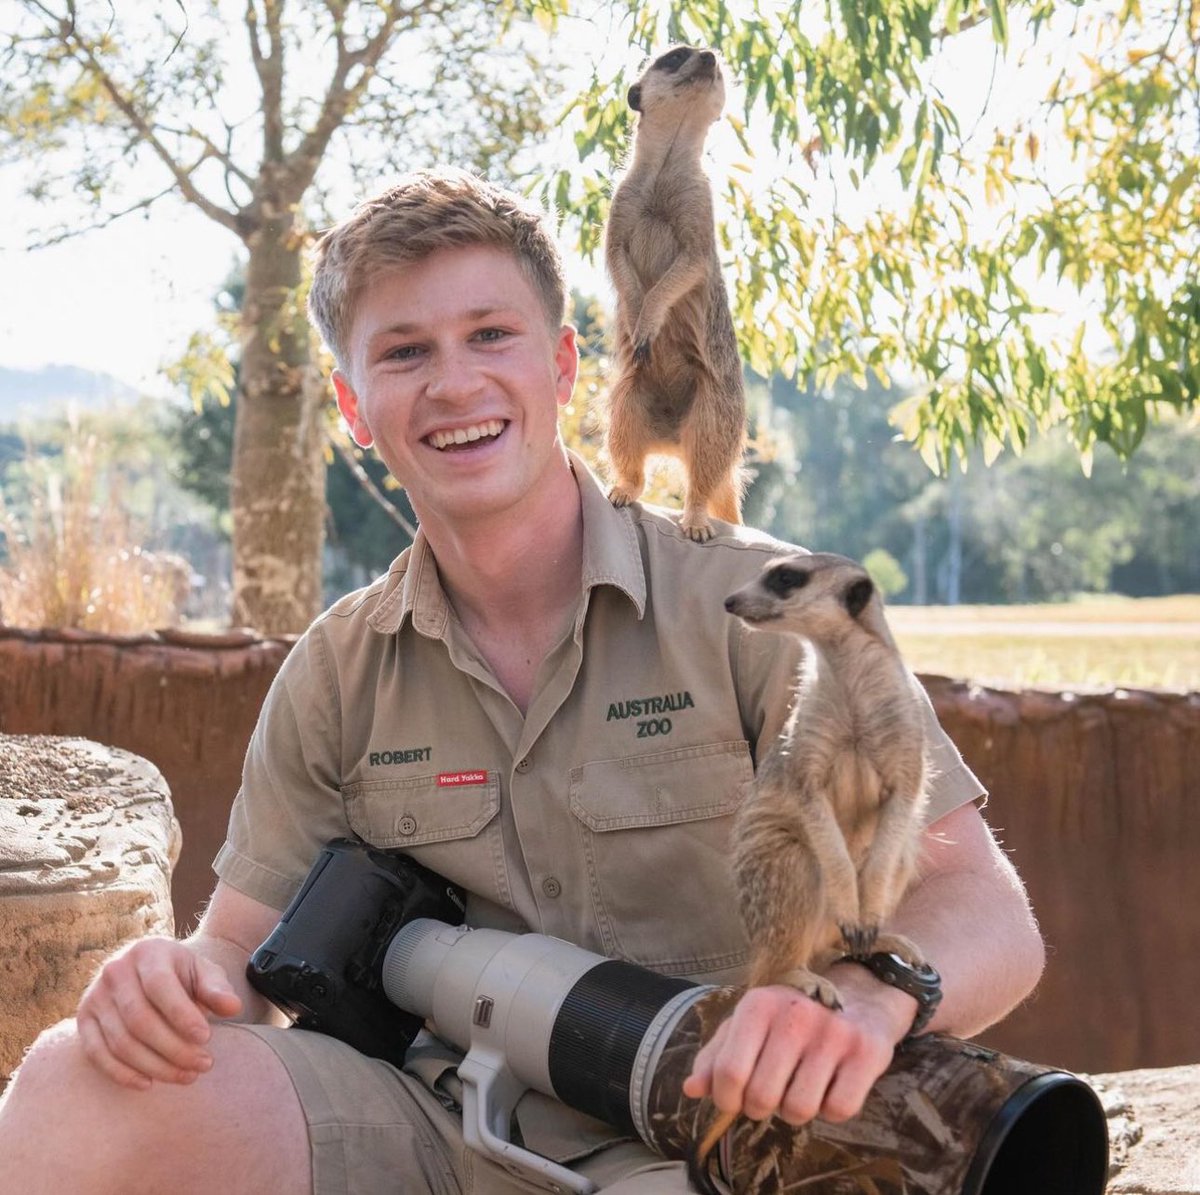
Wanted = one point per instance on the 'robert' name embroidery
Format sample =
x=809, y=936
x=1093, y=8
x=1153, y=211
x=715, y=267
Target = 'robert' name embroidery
x=412, y=755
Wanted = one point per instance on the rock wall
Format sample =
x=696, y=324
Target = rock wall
x=87, y=842
x=1093, y=794
x=187, y=703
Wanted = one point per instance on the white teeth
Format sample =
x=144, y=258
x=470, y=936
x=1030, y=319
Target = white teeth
x=465, y=435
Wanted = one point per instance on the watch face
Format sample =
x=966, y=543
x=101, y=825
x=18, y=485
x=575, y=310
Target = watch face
x=891, y=968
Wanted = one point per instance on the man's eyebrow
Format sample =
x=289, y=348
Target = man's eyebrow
x=475, y=313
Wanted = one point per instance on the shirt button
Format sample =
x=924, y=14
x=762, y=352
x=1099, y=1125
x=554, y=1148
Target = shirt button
x=524, y=764
x=407, y=825
x=551, y=887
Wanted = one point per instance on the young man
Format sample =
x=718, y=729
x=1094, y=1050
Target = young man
x=545, y=701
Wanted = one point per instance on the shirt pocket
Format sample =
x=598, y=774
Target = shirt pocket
x=452, y=830
x=655, y=832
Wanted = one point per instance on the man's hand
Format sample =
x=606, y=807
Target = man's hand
x=145, y=1015
x=780, y=1052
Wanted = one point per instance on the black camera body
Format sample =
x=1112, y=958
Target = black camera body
x=322, y=963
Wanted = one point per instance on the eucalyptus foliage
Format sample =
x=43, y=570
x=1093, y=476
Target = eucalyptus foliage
x=859, y=246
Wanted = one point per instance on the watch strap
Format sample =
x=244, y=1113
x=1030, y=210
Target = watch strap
x=922, y=983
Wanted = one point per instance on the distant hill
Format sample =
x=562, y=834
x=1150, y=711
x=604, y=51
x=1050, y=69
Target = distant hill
x=46, y=392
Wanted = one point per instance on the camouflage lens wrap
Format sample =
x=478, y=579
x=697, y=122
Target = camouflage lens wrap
x=947, y=1117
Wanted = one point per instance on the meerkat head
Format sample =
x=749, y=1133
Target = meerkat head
x=818, y=595
x=685, y=78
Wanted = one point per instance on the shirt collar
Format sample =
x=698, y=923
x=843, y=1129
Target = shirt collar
x=610, y=557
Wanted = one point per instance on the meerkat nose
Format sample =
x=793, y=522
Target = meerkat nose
x=707, y=57
x=730, y=602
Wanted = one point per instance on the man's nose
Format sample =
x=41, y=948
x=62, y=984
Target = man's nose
x=454, y=375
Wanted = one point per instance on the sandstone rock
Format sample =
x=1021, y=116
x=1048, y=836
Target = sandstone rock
x=1154, y=1130
x=88, y=839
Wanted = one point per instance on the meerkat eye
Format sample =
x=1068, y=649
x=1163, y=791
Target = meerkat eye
x=786, y=579
x=674, y=60
x=857, y=595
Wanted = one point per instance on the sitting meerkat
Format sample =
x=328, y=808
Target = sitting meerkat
x=827, y=843
x=679, y=387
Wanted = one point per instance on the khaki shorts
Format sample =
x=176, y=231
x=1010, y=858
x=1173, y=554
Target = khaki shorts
x=376, y=1130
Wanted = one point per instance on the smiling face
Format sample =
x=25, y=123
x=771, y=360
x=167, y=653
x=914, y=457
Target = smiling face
x=455, y=376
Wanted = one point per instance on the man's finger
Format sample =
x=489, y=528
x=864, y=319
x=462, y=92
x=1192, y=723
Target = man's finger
x=136, y=1054
x=166, y=1018
x=139, y=1018
x=851, y=1084
x=697, y=1084
x=214, y=990
x=806, y=1092
x=96, y=1050
x=739, y=1053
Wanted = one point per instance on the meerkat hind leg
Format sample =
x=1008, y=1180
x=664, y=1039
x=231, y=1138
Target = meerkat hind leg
x=885, y=873
x=628, y=441
x=710, y=447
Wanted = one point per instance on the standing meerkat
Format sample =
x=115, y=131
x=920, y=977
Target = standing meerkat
x=827, y=842
x=679, y=377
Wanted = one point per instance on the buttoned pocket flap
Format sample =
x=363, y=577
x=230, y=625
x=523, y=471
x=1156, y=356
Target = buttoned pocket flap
x=668, y=787
x=399, y=814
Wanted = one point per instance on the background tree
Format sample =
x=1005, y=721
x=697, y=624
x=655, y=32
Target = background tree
x=888, y=229
x=242, y=111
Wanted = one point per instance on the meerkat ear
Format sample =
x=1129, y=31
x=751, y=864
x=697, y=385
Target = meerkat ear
x=857, y=595
x=635, y=97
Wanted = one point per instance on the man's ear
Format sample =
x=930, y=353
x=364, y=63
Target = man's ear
x=635, y=97
x=566, y=364
x=857, y=595
x=347, y=402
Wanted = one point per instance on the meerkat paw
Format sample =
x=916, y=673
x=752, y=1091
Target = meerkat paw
x=904, y=947
x=696, y=527
x=815, y=986
x=623, y=495
x=860, y=939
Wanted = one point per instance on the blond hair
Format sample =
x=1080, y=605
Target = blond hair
x=426, y=211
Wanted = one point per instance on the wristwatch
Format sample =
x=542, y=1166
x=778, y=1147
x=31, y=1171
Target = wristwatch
x=922, y=983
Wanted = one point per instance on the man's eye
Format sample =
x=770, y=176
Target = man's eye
x=491, y=335
x=402, y=352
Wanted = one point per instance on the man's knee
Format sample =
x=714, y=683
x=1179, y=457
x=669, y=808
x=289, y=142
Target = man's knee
x=68, y=1125
x=49, y=1066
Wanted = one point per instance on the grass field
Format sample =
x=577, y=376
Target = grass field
x=1094, y=642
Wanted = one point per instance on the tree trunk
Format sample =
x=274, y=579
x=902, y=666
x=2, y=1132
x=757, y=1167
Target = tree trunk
x=277, y=483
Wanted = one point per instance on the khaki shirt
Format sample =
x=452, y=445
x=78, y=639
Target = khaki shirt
x=603, y=815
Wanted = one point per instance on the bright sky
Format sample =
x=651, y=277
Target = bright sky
x=124, y=299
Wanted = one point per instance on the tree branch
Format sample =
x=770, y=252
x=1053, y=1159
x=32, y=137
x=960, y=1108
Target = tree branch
x=364, y=479
x=211, y=150
x=79, y=49
x=71, y=233
x=272, y=78
x=342, y=98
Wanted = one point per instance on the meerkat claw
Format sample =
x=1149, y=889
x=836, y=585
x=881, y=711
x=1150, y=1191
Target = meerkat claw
x=620, y=496
x=815, y=987
x=859, y=939
x=700, y=532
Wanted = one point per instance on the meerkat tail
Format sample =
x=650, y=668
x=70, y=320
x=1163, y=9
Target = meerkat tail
x=699, y=1172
